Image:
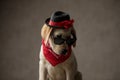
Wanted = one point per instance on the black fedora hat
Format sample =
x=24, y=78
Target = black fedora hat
x=59, y=19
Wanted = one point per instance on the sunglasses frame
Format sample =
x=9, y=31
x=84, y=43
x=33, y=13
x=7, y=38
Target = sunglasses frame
x=59, y=41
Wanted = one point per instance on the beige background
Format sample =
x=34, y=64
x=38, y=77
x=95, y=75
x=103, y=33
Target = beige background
x=97, y=23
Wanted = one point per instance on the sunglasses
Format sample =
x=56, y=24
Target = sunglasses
x=59, y=40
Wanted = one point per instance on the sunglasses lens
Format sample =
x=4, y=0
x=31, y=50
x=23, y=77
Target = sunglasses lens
x=58, y=41
x=70, y=41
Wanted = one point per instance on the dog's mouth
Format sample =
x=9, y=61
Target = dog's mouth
x=64, y=52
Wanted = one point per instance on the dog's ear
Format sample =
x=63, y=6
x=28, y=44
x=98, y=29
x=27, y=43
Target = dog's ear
x=73, y=32
x=45, y=32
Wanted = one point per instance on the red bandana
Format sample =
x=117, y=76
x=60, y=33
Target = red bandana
x=54, y=58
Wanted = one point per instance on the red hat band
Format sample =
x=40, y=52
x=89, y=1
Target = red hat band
x=66, y=23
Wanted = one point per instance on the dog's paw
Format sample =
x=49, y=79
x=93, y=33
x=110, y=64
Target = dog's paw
x=78, y=76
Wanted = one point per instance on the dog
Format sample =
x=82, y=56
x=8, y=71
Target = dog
x=57, y=60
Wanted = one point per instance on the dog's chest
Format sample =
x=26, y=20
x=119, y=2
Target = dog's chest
x=55, y=73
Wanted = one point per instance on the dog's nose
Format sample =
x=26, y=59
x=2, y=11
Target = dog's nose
x=64, y=51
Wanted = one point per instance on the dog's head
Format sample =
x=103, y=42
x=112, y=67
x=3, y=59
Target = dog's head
x=61, y=38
